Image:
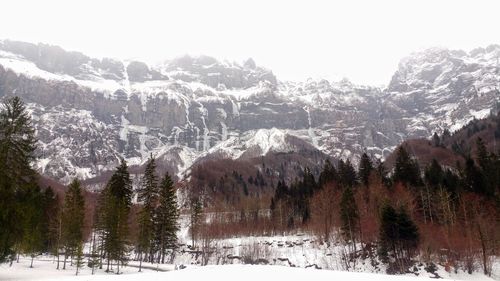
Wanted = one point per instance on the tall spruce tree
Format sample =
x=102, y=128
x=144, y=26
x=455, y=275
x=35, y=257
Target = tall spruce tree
x=17, y=146
x=34, y=233
x=72, y=220
x=365, y=168
x=117, y=201
x=398, y=238
x=347, y=174
x=148, y=196
x=349, y=216
x=166, y=216
x=196, y=209
x=328, y=174
x=486, y=163
x=406, y=169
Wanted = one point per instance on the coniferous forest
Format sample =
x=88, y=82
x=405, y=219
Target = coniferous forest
x=405, y=211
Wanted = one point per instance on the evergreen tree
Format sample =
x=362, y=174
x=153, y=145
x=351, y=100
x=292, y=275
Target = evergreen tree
x=72, y=220
x=328, y=174
x=365, y=169
x=434, y=174
x=117, y=201
x=308, y=182
x=406, y=168
x=196, y=210
x=408, y=233
x=166, y=216
x=488, y=169
x=50, y=219
x=34, y=233
x=388, y=232
x=17, y=146
x=349, y=216
x=148, y=195
x=398, y=238
x=473, y=177
x=347, y=174
x=436, y=140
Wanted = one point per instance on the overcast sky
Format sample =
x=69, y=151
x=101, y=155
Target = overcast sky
x=360, y=40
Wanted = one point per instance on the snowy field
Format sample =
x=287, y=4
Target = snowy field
x=45, y=269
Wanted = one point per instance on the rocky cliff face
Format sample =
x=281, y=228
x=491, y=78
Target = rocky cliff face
x=90, y=112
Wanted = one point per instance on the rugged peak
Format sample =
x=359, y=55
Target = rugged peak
x=140, y=72
x=250, y=63
x=217, y=74
x=56, y=60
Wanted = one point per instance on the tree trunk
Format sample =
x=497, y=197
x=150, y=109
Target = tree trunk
x=140, y=262
x=484, y=250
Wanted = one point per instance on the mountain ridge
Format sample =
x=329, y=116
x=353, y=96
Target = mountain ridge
x=191, y=108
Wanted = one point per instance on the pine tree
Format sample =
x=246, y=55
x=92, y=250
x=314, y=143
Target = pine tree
x=486, y=162
x=196, y=210
x=434, y=173
x=349, y=216
x=50, y=220
x=166, y=216
x=17, y=177
x=365, y=169
x=72, y=220
x=388, y=234
x=34, y=233
x=406, y=169
x=117, y=201
x=474, y=179
x=398, y=238
x=308, y=182
x=148, y=195
x=436, y=140
x=328, y=174
x=347, y=174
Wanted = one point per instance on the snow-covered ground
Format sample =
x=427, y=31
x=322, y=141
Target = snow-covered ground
x=45, y=270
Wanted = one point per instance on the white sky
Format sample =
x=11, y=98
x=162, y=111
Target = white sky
x=360, y=40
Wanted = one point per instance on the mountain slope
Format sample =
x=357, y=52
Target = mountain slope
x=90, y=112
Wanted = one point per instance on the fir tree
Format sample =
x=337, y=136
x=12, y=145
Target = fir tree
x=196, y=210
x=17, y=146
x=406, y=168
x=436, y=140
x=50, y=220
x=166, y=216
x=117, y=198
x=349, y=216
x=72, y=220
x=347, y=174
x=148, y=195
x=34, y=233
x=434, y=173
x=398, y=238
x=328, y=174
x=365, y=169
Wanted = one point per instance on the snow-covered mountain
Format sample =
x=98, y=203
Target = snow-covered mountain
x=89, y=112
